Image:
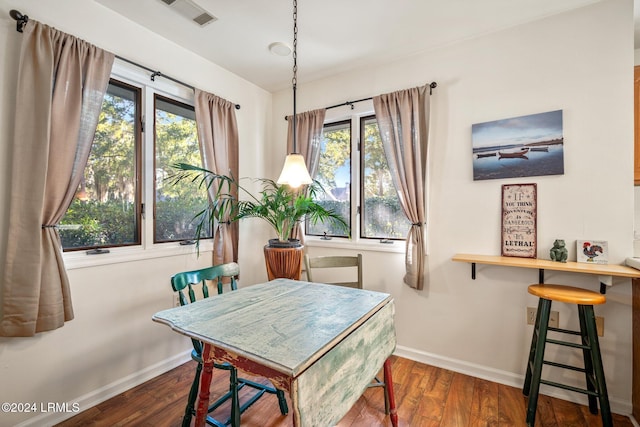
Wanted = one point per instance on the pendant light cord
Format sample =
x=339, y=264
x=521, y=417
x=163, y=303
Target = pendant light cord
x=294, y=81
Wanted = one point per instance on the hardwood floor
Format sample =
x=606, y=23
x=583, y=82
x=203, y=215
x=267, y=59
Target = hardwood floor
x=426, y=397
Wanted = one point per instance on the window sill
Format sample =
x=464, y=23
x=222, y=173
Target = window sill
x=79, y=259
x=398, y=246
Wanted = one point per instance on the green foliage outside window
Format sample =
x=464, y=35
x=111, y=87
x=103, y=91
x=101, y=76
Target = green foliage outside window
x=103, y=212
x=382, y=215
x=93, y=224
x=335, y=153
x=385, y=218
x=176, y=202
x=107, y=208
x=335, y=158
x=332, y=229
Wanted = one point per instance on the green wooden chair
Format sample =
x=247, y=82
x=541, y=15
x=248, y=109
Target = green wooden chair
x=346, y=262
x=191, y=286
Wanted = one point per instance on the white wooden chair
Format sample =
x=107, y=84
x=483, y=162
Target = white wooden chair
x=337, y=262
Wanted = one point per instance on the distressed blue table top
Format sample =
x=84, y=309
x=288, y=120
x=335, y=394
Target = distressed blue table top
x=284, y=324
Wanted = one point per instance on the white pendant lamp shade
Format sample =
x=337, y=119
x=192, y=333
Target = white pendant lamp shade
x=294, y=172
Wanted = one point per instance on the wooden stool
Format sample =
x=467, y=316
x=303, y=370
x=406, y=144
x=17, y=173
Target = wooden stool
x=596, y=386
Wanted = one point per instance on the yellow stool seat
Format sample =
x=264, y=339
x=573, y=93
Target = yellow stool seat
x=567, y=294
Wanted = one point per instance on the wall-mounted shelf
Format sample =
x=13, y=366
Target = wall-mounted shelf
x=605, y=272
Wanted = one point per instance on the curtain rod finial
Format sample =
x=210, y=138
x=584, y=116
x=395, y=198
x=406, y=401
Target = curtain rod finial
x=21, y=20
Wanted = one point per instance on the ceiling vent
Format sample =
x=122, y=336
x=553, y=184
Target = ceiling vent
x=191, y=11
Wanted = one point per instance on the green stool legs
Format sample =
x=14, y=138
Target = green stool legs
x=596, y=386
x=536, y=356
x=595, y=371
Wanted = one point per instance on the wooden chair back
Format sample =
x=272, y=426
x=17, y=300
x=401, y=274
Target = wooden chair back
x=323, y=262
x=185, y=283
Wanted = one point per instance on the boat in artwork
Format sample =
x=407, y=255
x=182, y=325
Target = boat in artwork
x=481, y=155
x=543, y=149
x=514, y=154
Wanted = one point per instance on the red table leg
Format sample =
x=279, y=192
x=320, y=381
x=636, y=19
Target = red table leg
x=205, y=385
x=388, y=384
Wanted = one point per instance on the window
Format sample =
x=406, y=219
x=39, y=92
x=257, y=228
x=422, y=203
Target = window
x=110, y=209
x=334, y=173
x=106, y=209
x=375, y=209
x=382, y=216
x=176, y=141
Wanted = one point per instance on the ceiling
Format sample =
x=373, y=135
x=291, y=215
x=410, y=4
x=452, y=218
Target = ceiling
x=334, y=35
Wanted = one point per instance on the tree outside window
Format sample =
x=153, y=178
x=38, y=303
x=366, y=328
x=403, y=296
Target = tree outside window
x=106, y=209
x=334, y=174
x=379, y=212
x=382, y=216
x=176, y=203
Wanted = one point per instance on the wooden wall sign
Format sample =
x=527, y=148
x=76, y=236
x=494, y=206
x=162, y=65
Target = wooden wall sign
x=519, y=220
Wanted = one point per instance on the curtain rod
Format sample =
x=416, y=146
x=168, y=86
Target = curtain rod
x=432, y=86
x=21, y=21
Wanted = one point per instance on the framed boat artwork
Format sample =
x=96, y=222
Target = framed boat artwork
x=519, y=146
x=519, y=220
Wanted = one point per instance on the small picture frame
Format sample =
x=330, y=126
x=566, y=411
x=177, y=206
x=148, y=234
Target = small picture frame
x=519, y=220
x=592, y=251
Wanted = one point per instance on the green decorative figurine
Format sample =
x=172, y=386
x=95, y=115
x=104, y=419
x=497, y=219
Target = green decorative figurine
x=559, y=252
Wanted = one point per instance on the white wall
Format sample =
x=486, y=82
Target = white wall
x=112, y=344
x=580, y=62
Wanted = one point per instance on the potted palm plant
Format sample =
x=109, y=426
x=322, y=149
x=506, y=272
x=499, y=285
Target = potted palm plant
x=281, y=206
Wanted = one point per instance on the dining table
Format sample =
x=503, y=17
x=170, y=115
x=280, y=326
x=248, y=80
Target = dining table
x=322, y=344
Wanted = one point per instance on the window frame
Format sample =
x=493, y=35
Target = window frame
x=180, y=104
x=361, y=230
x=137, y=77
x=353, y=113
x=349, y=220
x=137, y=171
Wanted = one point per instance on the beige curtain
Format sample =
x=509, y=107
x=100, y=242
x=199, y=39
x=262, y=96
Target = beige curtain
x=308, y=144
x=61, y=84
x=403, y=120
x=218, y=138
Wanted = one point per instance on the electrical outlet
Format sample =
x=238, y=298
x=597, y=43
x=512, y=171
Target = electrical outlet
x=600, y=325
x=554, y=317
x=176, y=300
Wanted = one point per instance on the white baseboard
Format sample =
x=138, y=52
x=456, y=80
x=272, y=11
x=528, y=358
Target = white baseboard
x=618, y=406
x=110, y=390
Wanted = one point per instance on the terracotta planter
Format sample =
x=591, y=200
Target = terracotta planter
x=282, y=260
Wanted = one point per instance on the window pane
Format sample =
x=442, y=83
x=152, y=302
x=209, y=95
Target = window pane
x=334, y=173
x=104, y=211
x=176, y=203
x=382, y=216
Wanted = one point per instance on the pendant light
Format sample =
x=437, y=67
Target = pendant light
x=294, y=173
